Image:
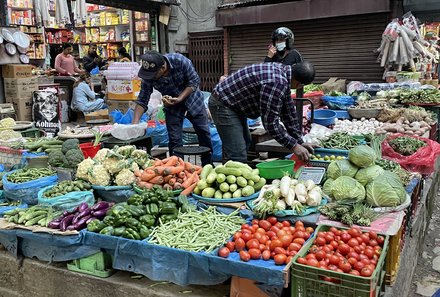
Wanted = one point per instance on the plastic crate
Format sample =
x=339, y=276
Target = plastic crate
x=98, y=265
x=10, y=157
x=308, y=281
x=393, y=256
x=327, y=152
x=32, y=133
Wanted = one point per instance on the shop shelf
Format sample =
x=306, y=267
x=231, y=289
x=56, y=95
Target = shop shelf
x=308, y=281
x=98, y=265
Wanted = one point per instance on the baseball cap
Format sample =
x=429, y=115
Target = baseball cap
x=150, y=64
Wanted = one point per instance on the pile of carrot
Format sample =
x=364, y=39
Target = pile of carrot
x=171, y=173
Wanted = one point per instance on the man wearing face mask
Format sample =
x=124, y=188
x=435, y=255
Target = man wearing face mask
x=281, y=50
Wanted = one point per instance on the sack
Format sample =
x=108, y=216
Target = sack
x=125, y=118
x=114, y=193
x=67, y=201
x=422, y=161
x=46, y=111
x=159, y=134
x=127, y=132
x=339, y=102
x=26, y=192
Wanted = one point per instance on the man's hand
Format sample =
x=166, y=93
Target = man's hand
x=272, y=51
x=302, y=151
x=168, y=102
x=309, y=147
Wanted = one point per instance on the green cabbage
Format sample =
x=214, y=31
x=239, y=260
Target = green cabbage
x=362, y=156
x=386, y=190
x=365, y=175
x=341, y=168
x=327, y=187
x=346, y=189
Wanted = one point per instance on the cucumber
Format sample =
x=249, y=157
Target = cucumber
x=260, y=184
x=229, y=171
x=227, y=195
x=237, y=194
x=35, y=220
x=241, y=181
x=197, y=190
x=202, y=184
x=218, y=194
x=205, y=171
x=233, y=188
x=208, y=192
x=235, y=164
x=247, y=191
x=34, y=214
x=211, y=177
x=221, y=178
x=231, y=179
x=250, y=182
x=224, y=187
x=256, y=172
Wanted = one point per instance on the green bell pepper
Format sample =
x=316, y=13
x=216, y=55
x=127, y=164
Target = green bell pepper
x=168, y=217
x=135, y=211
x=168, y=208
x=132, y=223
x=152, y=209
x=147, y=220
x=109, y=220
x=131, y=234
x=144, y=232
x=96, y=226
x=119, y=231
x=136, y=199
x=109, y=230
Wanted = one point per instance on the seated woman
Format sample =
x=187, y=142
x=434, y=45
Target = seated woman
x=123, y=55
x=84, y=98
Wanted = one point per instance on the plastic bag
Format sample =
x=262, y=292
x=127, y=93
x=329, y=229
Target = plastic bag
x=114, y=193
x=126, y=132
x=159, y=134
x=126, y=118
x=422, y=161
x=67, y=201
x=317, y=133
x=155, y=104
x=339, y=102
x=27, y=192
x=217, y=153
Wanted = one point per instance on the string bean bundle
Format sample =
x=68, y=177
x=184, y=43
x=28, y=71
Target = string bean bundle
x=340, y=140
x=28, y=174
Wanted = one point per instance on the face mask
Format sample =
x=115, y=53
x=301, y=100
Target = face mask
x=280, y=46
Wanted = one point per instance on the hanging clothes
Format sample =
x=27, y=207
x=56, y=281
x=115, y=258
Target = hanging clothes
x=62, y=15
x=79, y=11
x=41, y=12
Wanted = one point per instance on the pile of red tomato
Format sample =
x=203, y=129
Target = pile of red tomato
x=347, y=251
x=268, y=239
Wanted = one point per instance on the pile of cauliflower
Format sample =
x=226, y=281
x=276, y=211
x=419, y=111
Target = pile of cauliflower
x=113, y=166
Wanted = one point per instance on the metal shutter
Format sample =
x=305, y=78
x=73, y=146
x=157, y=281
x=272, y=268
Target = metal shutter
x=338, y=47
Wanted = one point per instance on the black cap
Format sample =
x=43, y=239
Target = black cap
x=150, y=64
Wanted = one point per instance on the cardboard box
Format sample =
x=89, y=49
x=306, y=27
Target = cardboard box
x=16, y=71
x=23, y=108
x=97, y=115
x=122, y=105
x=123, y=89
x=20, y=87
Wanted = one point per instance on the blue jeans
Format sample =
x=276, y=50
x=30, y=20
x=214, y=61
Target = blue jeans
x=233, y=130
x=174, y=120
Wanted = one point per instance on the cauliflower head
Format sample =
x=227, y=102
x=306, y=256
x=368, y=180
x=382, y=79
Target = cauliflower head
x=114, y=165
x=133, y=166
x=83, y=169
x=140, y=157
x=101, y=155
x=99, y=176
x=125, y=177
x=125, y=150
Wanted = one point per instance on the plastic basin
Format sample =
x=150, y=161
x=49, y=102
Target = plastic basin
x=324, y=117
x=275, y=169
x=89, y=150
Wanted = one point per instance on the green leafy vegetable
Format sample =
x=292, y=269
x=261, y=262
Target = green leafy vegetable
x=386, y=190
x=362, y=156
x=341, y=168
x=365, y=175
x=347, y=190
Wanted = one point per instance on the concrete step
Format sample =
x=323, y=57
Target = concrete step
x=29, y=277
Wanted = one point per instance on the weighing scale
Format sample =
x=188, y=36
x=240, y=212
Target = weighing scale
x=316, y=174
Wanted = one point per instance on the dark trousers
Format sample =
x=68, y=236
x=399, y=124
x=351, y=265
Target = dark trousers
x=174, y=121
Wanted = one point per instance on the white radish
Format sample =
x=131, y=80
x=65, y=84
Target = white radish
x=309, y=184
x=293, y=182
x=285, y=186
x=281, y=205
x=302, y=198
x=300, y=190
x=314, y=198
x=290, y=199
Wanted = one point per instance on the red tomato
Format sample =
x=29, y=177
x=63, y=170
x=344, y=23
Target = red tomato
x=246, y=226
x=260, y=230
x=329, y=238
x=373, y=243
x=279, y=225
x=280, y=259
x=274, y=229
x=294, y=246
x=272, y=220
x=299, y=234
x=299, y=241
x=372, y=234
x=334, y=244
x=320, y=241
x=262, y=247
x=275, y=243
x=240, y=244
x=263, y=239
x=292, y=253
x=344, y=266
x=313, y=262
x=353, y=255
x=327, y=248
x=237, y=235
x=286, y=223
x=366, y=272
x=231, y=246
x=280, y=250
x=332, y=267
x=289, y=259
x=358, y=249
x=306, y=235
x=352, y=261
x=354, y=272
x=265, y=255
x=310, y=256
x=333, y=229
x=299, y=224
x=223, y=252
x=322, y=264
x=244, y=256
x=358, y=266
x=333, y=259
x=366, y=261
x=257, y=236
x=365, y=238
x=254, y=228
x=344, y=249
x=345, y=237
x=301, y=260
x=369, y=253
x=320, y=255
x=380, y=239
x=253, y=244
x=271, y=234
x=353, y=242
x=246, y=236
x=255, y=254
x=255, y=222
x=309, y=230
x=281, y=233
x=373, y=262
x=354, y=232
x=265, y=225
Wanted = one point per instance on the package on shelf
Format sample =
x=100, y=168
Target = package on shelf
x=22, y=107
x=125, y=17
x=21, y=3
x=16, y=71
x=122, y=71
x=20, y=87
x=22, y=17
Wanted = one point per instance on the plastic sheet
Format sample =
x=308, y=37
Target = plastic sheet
x=28, y=191
x=67, y=201
x=114, y=193
x=159, y=134
x=338, y=102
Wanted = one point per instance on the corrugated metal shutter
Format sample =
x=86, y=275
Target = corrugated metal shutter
x=338, y=47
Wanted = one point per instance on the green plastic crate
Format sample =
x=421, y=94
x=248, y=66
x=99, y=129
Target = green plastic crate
x=308, y=281
x=98, y=265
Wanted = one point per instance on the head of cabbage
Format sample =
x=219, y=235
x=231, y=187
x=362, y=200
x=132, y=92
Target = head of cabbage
x=386, y=190
x=341, y=168
x=362, y=156
x=348, y=190
x=327, y=187
x=365, y=175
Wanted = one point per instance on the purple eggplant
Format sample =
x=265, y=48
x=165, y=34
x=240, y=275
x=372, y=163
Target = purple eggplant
x=69, y=212
x=54, y=225
x=82, y=223
x=59, y=219
x=70, y=228
x=66, y=222
x=100, y=205
x=83, y=206
x=84, y=213
x=92, y=218
x=75, y=218
x=100, y=214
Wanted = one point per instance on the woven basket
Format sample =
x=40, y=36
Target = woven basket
x=367, y=113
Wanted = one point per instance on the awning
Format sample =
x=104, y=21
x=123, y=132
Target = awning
x=296, y=10
x=135, y=5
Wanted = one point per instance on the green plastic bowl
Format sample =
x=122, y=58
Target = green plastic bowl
x=275, y=169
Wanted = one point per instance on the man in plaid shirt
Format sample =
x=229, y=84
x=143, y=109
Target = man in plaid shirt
x=260, y=90
x=175, y=76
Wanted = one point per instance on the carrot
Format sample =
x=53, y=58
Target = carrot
x=196, y=177
x=146, y=176
x=189, y=190
x=173, y=170
x=198, y=171
x=197, y=167
x=189, y=181
x=167, y=187
x=156, y=180
x=172, y=181
x=159, y=170
x=172, y=161
x=157, y=163
x=179, y=180
x=166, y=160
x=189, y=167
x=177, y=186
x=167, y=178
x=181, y=174
x=187, y=173
x=145, y=185
x=181, y=162
x=138, y=173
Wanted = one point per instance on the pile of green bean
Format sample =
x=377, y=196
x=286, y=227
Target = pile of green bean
x=340, y=140
x=28, y=174
x=197, y=231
